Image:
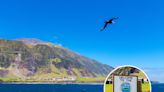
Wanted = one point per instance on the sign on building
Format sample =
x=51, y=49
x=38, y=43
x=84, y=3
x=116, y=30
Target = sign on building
x=125, y=83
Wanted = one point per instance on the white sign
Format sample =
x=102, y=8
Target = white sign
x=125, y=83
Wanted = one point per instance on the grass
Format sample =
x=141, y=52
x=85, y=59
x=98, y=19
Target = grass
x=86, y=79
x=79, y=80
x=8, y=79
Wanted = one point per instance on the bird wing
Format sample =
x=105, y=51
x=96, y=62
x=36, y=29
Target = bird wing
x=104, y=26
x=109, y=22
x=113, y=18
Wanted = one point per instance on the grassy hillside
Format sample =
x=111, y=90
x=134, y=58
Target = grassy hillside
x=29, y=60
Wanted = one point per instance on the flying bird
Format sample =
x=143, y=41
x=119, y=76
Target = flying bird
x=111, y=21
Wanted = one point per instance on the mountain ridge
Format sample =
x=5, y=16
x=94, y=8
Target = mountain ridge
x=32, y=41
x=39, y=60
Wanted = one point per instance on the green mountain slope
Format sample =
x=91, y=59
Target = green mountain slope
x=32, y=59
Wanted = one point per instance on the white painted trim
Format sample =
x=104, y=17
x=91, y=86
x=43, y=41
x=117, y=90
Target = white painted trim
x=127, y=66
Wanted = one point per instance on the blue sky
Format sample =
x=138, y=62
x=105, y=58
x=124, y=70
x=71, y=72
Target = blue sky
x=136, y=39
